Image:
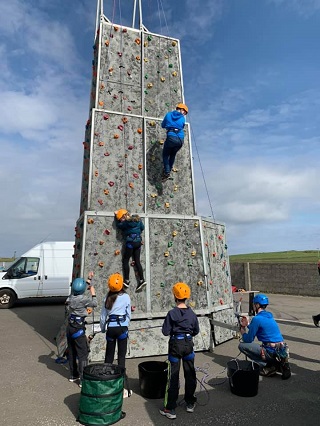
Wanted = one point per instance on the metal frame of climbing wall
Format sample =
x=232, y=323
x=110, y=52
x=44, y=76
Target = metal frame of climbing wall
x=136, y=79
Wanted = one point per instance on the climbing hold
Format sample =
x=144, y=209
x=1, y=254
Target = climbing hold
x=174, y=233
x=153, y=195
x=221, y=301
x=131, y=185
x=196, y=224
x=166, y=253
x=149, y=37
x=106, y=232
x=115, y=96
x=124, y=120
x=120, y=164
x=145, y=44
x=140, y=166
x=101, y=103
x=90, y=221
x=135, y=175
x=106, y=117
x=96, y=173
x=139, y=130
x=161, y=141
x=174, y=43
x=100, y=201
x=152, y=123
x=101, y=242
x=170, y=244
x=137, y=41
x=140, y=204
x=169, y=49
x=101, y=143
x=130, y=147
x=101, y=264
x=116, y=136
x=120, y=127
x=162, y=79
x=190, y=263
x=111, y=183
x=214, y=254
x=115, y=28
x=106, y=154
x=120, y=54
x=192, y=304
x=146, y=76
x=138, y=58
x=193, y=253
x=149, y=85
x=170, y=262
x=171, y=196
x=174, y=170
x=167, y=205
x=175, y=188
x=129, y=108
x=110, y=69
x=199, y=283
x=124, y=30
x=174, y=74
x=146, y=60
x=106, y=43
x=162, y=285
x=170, y=66
x=117, y=252
x=220, y=237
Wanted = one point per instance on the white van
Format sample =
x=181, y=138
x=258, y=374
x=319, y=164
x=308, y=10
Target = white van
x=43, y=271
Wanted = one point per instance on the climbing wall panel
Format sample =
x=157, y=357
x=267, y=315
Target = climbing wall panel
x=223, y=334
x=176, y=195
x=119, y=86
x=161, y=74
x=146, y=338
x=176, y=255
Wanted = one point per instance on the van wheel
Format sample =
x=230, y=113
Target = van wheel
x=7, y=299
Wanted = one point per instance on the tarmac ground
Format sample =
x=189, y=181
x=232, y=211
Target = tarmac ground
x=35, y=390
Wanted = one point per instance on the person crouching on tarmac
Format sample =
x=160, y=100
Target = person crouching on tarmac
x=273, y=354
x=77, y=304
x=181, y=324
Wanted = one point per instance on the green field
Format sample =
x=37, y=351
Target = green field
x=307, y=256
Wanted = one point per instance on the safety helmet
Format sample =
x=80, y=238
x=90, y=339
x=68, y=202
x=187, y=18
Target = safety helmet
x=262, y=299
x=78, y=286
x=120, y=213
x=183, y=106
x=115, y=282
x=181, y=291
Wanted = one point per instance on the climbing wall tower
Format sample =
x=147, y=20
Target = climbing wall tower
x=136, y=79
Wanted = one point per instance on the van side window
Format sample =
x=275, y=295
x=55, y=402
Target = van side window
x=24, y=267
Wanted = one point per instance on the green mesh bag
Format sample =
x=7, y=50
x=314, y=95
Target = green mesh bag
x=101, y=395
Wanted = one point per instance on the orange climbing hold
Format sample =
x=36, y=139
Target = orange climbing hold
x=138, y=41
x=117, y=252
x=90, y=221
x=139, y=130
x=116, y=136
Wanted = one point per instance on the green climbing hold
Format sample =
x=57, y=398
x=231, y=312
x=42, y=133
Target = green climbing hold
x=170, y=244
x=146, y=76
x=169, y=50
x=158, y=204
x=146, y=92
x=170, y=262
x=158, y=186
x=162, y=285
x=149, y=37
x=167, y=104
x=171, y=195
x=190, y=263
x=170, y=66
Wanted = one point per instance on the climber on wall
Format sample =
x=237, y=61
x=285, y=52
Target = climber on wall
x=174, y=123
x=132, y=227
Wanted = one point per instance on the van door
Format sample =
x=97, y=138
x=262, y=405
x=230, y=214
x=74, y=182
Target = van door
x=25, y=276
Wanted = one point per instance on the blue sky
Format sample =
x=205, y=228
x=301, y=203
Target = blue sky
x=251, y=81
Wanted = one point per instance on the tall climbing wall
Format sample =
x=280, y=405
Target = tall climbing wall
x=137, y=79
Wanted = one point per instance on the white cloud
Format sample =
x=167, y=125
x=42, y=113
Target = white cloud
x=305, y=8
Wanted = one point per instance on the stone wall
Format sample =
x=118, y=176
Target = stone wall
x=284, y=278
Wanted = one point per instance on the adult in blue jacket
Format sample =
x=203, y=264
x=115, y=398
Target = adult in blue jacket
x=272, y=355
x=174, y=123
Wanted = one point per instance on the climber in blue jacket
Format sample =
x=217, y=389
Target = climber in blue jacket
x=174, y=123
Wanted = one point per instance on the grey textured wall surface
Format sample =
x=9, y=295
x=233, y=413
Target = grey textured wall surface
x=136, y=79
x=284, y=278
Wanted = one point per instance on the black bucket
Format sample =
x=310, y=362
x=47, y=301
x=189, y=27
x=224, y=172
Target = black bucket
x=243, y=377
x=153, y=379
x=101, y=394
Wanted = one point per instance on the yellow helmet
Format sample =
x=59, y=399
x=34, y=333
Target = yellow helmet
x=181, y=291
x=183, y=106
x=115, y=282
x=120, y=213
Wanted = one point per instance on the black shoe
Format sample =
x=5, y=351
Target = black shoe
x=126, y=283
x=165, y=176
x=286, y=371
x=141, y=284
x=315, y=320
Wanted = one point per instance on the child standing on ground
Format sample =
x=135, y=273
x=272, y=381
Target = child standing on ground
x=77, y=304
x=181, y=324
x=132, y=227
x=114, y=321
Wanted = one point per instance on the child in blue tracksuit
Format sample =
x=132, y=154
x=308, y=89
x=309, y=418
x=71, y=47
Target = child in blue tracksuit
x=174, y=123
x=131, y=227
x=181, y=324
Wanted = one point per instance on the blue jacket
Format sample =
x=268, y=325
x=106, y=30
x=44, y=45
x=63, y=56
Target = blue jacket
x=174, y=120
x=264, y=327
x=131, y=229
x=180, y=320
x=122, y=306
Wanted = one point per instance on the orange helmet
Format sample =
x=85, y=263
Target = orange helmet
x=181, y=291
x=183, y=106
x=115, y=282
x=120, y=213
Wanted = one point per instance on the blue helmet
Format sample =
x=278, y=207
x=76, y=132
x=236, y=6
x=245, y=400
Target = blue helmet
x=262, y=299
x=78, y=286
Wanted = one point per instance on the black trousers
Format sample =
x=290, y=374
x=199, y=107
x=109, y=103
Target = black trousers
x=113, y=334
x=78, y=348
x=180, y=350
x=134, y=252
